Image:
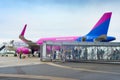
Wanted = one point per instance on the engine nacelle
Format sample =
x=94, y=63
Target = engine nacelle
x=23, y=50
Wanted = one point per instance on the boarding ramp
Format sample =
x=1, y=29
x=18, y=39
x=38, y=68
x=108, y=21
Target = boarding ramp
x=4, y=50
x=81, y=51
x=2, y=47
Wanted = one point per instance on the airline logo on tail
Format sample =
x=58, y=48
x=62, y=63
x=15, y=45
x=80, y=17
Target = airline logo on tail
x=101, y=27
x=99, y=31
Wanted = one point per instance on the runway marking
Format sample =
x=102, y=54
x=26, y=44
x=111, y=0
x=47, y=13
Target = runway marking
x=83, y=69
x=34, y=77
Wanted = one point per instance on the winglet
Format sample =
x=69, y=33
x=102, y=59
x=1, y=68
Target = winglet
x=23, y=31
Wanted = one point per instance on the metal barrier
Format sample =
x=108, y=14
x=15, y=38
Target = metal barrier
x=80, y=51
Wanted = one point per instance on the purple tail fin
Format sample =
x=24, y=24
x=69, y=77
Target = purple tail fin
x=101, y=27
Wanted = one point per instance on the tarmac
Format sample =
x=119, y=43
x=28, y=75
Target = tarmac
x=12, y=68
x=16, y=63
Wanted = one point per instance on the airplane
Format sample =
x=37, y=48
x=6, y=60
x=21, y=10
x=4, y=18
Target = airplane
x=97, y=34
x=12, y=46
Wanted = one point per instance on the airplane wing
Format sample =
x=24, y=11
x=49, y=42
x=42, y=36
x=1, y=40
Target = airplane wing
x=31, y=44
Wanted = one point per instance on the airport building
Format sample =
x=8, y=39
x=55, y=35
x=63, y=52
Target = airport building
x=81, y=51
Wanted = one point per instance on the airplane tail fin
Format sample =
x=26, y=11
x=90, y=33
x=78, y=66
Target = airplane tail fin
x=101, y=27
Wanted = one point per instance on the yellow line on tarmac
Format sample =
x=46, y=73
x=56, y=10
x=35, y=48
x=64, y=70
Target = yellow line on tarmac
x=34, y=77
x=83, y=69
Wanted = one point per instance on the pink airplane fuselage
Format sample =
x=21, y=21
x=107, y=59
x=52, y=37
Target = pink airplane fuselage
x=24, y=50
x=52, y=39
x=57, y=39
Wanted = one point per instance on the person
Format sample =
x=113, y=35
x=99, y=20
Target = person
x=20, y=54
x=92, y=54
x=63, y=56
x=85, y=54
x=101, y=54
x=79, y=53
x=54, y=55
x=98, y=54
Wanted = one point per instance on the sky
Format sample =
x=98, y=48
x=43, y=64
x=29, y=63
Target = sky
x=55, y=18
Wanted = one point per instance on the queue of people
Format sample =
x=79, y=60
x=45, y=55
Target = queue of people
x=86, y=53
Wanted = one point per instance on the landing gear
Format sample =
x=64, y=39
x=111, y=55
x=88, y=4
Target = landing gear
x=15, y=55
x=20, y=56
x=33, y=52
